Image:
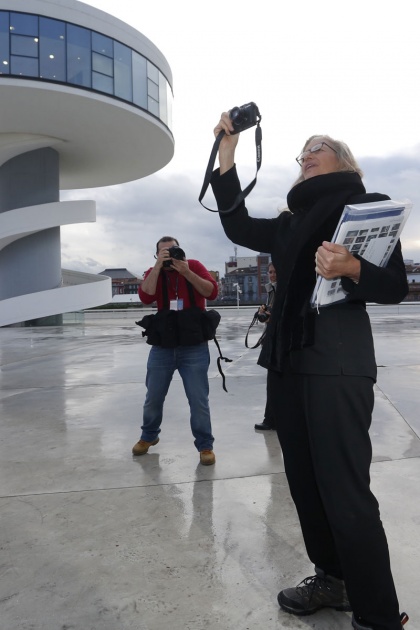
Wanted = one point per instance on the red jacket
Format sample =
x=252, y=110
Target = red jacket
x=177, y=287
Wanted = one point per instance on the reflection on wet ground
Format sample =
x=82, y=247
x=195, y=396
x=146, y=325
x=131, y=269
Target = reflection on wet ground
x=95, y=539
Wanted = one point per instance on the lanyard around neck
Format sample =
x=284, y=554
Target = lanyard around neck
x=165, y=281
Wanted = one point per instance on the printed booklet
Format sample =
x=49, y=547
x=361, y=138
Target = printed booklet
x=370, y=230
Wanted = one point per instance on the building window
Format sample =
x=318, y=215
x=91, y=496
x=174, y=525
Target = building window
x=24, y=46
x=24, y=24
x=79, y=68
x=101, y=83
x=102, y=63
x=4, y=43
x=102, y=44
x=140, y=83
x=24, y=66
x=123, y=72
x=52, y=50
x=153, y=89
x=165, y=112
x=24, y=41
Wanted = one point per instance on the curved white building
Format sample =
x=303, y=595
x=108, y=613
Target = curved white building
x=86, y=101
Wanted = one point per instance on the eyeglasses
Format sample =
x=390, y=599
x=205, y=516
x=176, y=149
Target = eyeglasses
x=317, y=147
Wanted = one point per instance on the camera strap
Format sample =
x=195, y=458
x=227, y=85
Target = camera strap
x=220, y=358
x=244, y=193
x=261, y=339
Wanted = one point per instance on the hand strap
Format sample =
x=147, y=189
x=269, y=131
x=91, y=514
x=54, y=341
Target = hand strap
x=164, y=290
x=261, y=339
x=190, y=293
x=221, y=358
x=244, y=193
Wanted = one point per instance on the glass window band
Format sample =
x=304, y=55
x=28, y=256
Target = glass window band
x=52, y=50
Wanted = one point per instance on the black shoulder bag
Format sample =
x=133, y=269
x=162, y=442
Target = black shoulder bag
x=187, y=327
x=209, y=320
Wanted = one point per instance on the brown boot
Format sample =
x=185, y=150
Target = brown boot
x=142, y=446
x=207, y=457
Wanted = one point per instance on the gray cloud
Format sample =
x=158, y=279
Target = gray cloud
x=399, y=177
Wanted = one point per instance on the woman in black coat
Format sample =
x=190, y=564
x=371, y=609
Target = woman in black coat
x=321, y=368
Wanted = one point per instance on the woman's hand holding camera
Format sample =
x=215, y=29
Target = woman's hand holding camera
x=263, y=314
x=227, y=144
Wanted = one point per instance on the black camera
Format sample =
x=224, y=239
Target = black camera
x=263, y=317
x=174, y=252
x=244, y=117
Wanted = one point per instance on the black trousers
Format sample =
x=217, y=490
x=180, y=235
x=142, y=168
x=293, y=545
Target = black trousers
x=323, y=427
x=269, y=417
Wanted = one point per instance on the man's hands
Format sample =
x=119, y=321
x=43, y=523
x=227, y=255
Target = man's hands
x=150, y=283
x=162, y=256
x=334, y=261
x=181, y=266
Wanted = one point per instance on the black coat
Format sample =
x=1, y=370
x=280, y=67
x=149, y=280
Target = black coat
x=340, y=337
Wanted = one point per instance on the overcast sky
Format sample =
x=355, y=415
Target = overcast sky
x=350, y=71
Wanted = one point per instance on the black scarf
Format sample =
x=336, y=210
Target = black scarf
x=316, y=205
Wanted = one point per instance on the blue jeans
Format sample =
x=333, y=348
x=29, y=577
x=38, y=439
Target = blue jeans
x=192, y=363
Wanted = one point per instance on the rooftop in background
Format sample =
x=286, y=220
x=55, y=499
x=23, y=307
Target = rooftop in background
x=118, y=273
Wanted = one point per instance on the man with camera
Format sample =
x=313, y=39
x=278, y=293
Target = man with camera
x=177, y=284
x=264, y=313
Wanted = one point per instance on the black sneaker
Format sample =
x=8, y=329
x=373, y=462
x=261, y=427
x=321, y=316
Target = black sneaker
x=264, y=426
x=314, y=593
x=358, y=625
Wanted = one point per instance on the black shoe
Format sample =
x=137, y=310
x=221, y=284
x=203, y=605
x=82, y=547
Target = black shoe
x=314, y=593
x=264, y=426
x=358, y=625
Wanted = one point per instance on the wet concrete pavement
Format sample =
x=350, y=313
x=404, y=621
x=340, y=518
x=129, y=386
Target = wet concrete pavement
x=92, y=538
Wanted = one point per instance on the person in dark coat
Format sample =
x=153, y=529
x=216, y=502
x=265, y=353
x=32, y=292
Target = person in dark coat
x=322, y=370
x=268, y=423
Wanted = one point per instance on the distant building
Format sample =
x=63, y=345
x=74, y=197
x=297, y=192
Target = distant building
x=251, y=280
x=250, y=273
x=215, y=275
x=413, y=277
x=263, y=260
x=240, y=262
x=413, y=271
x=123, y=281
x=246, y=279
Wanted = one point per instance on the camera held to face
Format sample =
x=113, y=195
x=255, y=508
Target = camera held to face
x=265, y=316
x=174, y=252
x=244, y=117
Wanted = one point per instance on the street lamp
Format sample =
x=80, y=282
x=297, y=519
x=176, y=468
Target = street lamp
x=238, y=291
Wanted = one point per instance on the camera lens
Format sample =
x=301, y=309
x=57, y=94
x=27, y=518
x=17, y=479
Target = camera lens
x=237, y=116
x=234, y=114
